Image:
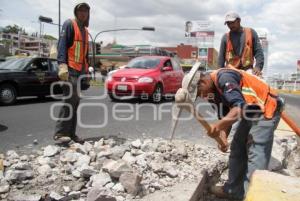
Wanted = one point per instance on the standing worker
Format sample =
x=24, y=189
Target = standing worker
x=251, y=101
x=240, y=46
x=73, y=62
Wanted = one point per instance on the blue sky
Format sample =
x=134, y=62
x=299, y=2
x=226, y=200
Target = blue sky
x=279, y=19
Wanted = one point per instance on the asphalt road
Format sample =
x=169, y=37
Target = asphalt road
x=30, y=119
x=292, y=106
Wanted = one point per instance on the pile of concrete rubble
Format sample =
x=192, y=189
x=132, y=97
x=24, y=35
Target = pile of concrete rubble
x=103, y=170
x=115, y=170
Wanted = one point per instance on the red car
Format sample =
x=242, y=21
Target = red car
x=146, y=77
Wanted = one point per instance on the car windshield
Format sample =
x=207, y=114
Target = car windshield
x=143, y=63
x=14, y=64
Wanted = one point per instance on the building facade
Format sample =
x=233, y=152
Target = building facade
x=24, y=44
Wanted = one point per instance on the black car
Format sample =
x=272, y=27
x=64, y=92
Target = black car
x=27, y=77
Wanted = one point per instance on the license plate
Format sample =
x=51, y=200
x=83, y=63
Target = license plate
x=122, y=87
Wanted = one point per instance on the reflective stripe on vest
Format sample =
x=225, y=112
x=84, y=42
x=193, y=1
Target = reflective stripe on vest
x=254, y=90
x=76, y=53
x=246, y=59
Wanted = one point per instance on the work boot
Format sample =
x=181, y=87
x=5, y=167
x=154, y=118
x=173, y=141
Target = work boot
x=61, y=138
x=77, y=139
x=219, y=191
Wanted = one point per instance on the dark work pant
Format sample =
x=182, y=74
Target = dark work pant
x=251, y=149
x=66, y=125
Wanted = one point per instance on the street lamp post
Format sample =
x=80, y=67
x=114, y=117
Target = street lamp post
x=46, y=20
x=114, y=30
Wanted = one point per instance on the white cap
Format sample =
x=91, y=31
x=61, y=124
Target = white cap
x=231, y=16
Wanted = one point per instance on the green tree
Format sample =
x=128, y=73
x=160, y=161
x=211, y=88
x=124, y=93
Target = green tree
x=49, y=37
x=13, y=29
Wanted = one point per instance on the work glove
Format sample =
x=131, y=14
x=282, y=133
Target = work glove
x=63, y=73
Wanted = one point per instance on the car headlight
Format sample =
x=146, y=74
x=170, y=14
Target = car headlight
x=145, y=80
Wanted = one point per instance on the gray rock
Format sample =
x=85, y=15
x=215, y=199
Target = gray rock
x=136, y=152
x=55, y=196
x=88, y=146
x=78, y=186
x=109, y=185
x=43, y=160
x=118, y=188
x=12, y=154
x=93, y=156
x=103, y=148
x=67, y=189
x=116, y=168
x=149, y=146
x=136, y=144
x=76, y=174
x=170, y=171
x=105, y=153
x=111, y=142
x=69, y=156
x=162, y=147
x=22, y=166
x=44, y=170
x=156, y=167
x=131, y=181
x=79, y=148
x=87, y=172
x=1, y=175
x=82, y=160
x=117, y=152
x=157, y=185
x=51, y=150
x=24, y=158
x=23, y=197
x=129, y=158
x=18, y=175
x=100, y=194
x=141, y=161
x=74, y=195
x=4, y=187
x=279, y=153
x=100, y=179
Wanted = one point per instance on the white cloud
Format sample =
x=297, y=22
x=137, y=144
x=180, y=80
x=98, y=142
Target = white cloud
x=278, y=19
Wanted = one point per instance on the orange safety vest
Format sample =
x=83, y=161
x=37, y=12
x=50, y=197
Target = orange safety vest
x=76, y=53
x=255, y=91
x=246, y=59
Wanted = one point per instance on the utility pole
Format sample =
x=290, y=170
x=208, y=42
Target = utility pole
x=58, y=18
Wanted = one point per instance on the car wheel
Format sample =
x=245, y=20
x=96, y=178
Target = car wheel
x=8, y=94
x=157, y=94
x=112, y=97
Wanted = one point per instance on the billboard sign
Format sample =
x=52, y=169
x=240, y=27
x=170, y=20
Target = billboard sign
x=198, y=29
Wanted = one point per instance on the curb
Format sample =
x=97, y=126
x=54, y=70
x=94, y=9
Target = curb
x=288, y=91
x=201, y=187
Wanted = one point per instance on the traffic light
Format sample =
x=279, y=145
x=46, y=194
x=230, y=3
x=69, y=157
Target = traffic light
x=98, y=48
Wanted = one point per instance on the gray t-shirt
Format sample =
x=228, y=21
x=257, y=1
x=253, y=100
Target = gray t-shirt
x=238, y=41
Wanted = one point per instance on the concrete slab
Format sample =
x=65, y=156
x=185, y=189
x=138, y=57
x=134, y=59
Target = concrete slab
x=185, y=191
x=267, y=185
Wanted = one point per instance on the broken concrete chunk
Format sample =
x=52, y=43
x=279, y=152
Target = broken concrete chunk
x=100, y=194
x=51, y=150
x=131, y=182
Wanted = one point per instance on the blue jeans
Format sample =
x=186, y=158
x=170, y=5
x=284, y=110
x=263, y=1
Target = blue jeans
x=251, y=149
